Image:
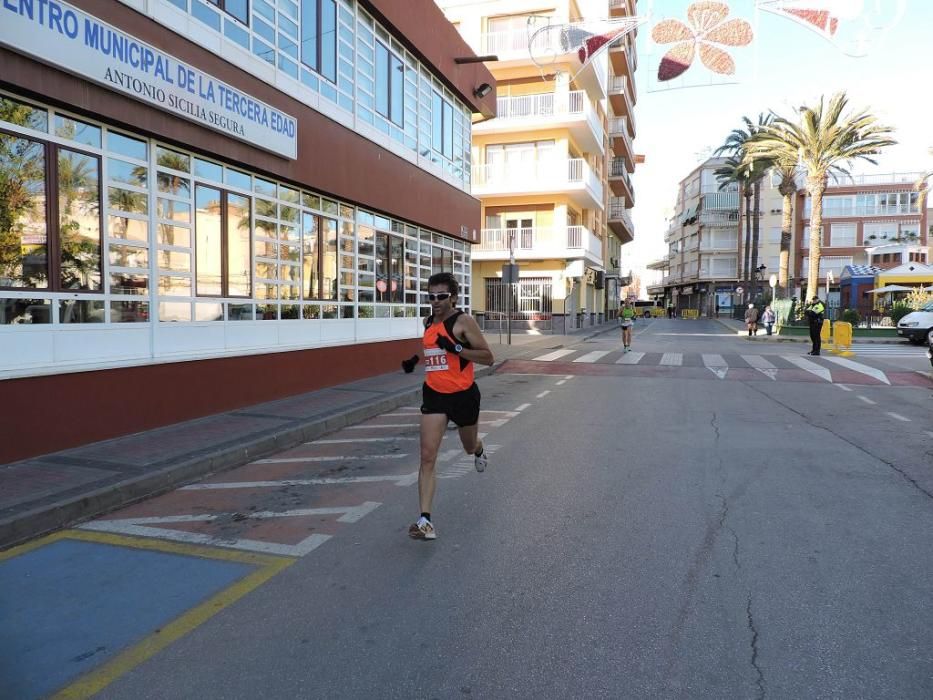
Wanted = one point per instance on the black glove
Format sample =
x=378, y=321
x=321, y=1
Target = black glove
x=445, y=343
x=409, y=364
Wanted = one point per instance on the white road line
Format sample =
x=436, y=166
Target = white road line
x=382, y=425
x=706, y=335
x=353, y=440
x=543, y=394
x=562, y=381
x=867, y=400
x=929, y=432
x=758, y=362
x=592, y=356
x=714, y=361
x=720, y=372
x=569, y=376
x=557, y=354
x=859, y=367
x=770, y=373
x=338, y=458
x=674, y=359
x=403, y=479
x=898, y=416
x=511, y=414
x=630, y=358
x=810, y=367
x=843, y=387
x=522, y=407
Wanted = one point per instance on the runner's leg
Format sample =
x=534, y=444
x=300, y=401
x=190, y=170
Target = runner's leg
x=433, y=426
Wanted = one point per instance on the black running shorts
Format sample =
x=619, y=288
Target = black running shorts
x=462, y=407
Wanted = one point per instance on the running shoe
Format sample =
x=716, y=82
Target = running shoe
x=481, y=461
x=422, y=530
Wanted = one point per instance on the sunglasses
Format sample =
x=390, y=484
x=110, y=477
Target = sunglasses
x=439, y=297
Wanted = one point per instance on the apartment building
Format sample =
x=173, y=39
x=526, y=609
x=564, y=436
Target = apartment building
x=703, y=265
x=868, y=220
x=212, y=204
x=553, y=168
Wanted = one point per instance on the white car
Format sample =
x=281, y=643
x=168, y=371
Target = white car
x=917, y=326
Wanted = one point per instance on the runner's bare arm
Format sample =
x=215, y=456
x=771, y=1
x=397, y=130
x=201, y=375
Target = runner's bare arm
x=479, y=352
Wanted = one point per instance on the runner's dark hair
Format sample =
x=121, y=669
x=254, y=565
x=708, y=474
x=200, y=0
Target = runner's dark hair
x=445, y=278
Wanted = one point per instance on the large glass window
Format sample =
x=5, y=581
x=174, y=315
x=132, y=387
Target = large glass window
x=234, y=8
x=390, y=252
x=49, y=239
x=319, y=256
x=442, y=122
x=222, y=255
x=390, y=85
x=319, y=36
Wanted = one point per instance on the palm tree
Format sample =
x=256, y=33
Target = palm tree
x=787, y=171
x=755, y=171
x=821, y=141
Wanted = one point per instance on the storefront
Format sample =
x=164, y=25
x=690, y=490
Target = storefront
x=187, y=227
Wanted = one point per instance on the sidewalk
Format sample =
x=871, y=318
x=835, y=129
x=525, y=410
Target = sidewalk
x=57, y=490
x=740, y=329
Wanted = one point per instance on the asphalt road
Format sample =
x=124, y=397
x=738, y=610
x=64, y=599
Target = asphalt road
x=643, y=531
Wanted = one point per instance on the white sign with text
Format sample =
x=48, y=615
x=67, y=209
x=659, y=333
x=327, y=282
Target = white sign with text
x=62, y=35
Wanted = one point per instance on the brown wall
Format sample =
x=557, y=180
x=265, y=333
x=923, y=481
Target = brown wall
x=172, y=393
x=331, y=158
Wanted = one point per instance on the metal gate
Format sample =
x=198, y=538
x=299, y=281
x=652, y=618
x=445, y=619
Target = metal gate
x=531, y=304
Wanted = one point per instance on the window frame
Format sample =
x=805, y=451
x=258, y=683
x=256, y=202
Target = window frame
x=446, y=129
x=224, y=245
x=393, y=83
x=315, y=8
x=53, y=264
x=222, y=6
x=320, y=249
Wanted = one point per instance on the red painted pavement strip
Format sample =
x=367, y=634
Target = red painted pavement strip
x=910, y=379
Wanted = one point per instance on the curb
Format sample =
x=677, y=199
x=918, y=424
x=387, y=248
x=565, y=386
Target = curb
x=42, y=520
x=803, y=339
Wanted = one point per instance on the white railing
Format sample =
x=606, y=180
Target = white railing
x=539, y=241
x=721, y=200
x=498, y=239
x=874, y=179
x=719, y=218
x=545, y=104
x=514, y=42
x=873, y=210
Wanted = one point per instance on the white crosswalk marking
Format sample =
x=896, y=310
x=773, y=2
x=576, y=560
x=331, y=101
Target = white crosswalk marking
x=810, y=367
x=674, y=359
x=631, y=358
x=714, y=361
x=556, y=355
x=898, y=416
x=592, y=356
x=859, y=367
x=758, y=362
x=888, y=349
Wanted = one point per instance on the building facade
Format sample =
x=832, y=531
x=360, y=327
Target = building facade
x=552, y=169
x=205, y=205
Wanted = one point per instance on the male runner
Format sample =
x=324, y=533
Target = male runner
x=452, y=343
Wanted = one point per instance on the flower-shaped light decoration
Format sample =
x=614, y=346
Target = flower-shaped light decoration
x=708, y=26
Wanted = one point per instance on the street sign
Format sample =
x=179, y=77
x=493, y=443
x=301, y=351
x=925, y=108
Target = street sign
x=772, y=281
x=509, y=273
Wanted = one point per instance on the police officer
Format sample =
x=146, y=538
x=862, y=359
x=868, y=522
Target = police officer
x=814, y=312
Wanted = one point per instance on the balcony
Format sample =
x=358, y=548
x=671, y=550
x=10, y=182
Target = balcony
x=620, y=221
x=874, y=179
x=512, y=49
x=571, y=177
x=619, y=180
x=567, y=243
x=570, y=110
x=728, y=201
x=622, y=57
x=622, y=142
x=727, y=219
x=622, y=99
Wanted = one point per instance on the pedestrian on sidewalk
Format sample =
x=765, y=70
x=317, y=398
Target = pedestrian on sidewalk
x=751, y=320
x=670, y=310
x=452, y=343
x=814, y=313
x=768, y=318
x=627, y=320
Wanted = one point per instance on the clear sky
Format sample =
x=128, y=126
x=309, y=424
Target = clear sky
x=786, y=65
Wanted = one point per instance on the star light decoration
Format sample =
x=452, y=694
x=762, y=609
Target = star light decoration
x=707, y=26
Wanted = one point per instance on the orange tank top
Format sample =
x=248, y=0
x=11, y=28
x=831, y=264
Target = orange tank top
x=445, y=372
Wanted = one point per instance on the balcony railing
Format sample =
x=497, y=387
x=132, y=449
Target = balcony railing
x=719, y=218
x=873, y=210
x=874, y=179
x=618, y=169
x=542, y=241
x=721, y=200
x=553, y=172
x=514, y=43
x=618, y=127
x=546, y=104
x=617, y=210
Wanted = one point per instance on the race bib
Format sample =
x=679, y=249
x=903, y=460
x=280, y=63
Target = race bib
x=435, y=360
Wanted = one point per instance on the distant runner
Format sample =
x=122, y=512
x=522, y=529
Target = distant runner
x=627, y=320
x=452, y=343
